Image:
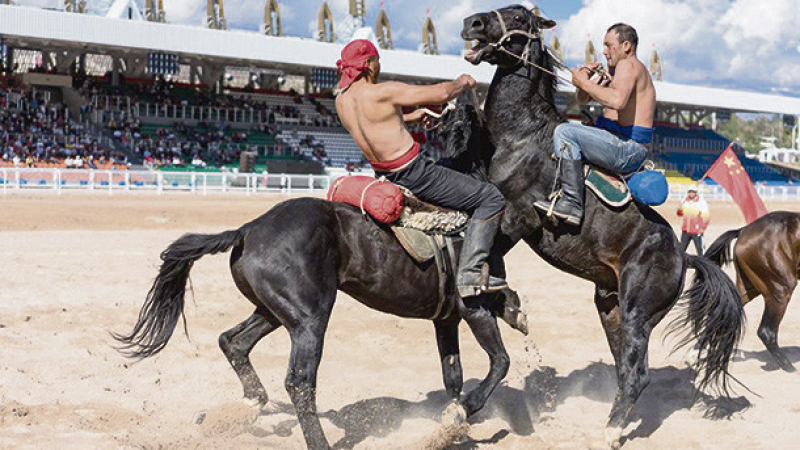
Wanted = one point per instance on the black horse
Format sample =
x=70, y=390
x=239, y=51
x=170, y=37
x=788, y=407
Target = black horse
x=767, y=261
x=630, y=253
x=291, y=261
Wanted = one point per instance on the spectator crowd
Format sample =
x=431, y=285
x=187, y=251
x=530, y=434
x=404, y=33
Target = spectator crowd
x=35, y=132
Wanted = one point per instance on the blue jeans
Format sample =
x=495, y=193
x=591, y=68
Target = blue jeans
x=598, y=147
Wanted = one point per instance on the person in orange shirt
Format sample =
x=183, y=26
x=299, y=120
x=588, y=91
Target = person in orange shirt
x=696, y=218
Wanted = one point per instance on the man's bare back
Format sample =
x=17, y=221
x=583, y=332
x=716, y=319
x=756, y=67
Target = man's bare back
x=372, y=112
x=376, y=126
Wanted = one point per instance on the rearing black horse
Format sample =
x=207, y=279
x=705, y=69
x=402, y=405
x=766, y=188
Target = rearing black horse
x=291, y=261
x=630, y=253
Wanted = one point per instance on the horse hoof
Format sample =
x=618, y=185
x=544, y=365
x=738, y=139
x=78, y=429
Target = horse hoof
x=614, y=437
x=521, y=323
x=270, y=408
x=256, y=403
x=454, y=414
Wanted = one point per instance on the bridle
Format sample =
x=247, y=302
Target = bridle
x=533, y=34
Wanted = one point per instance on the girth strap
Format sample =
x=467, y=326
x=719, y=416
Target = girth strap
x=446, y=263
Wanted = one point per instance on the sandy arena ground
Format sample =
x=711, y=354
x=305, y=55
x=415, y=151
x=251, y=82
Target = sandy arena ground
x=77, y=266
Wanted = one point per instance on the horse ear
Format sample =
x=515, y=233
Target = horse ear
x=544, y=24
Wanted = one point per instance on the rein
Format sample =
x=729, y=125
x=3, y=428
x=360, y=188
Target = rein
x=451, y=105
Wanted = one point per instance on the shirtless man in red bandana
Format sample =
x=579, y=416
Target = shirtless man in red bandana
x=372, y=113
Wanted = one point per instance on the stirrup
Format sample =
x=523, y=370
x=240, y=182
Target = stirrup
x=474, y=290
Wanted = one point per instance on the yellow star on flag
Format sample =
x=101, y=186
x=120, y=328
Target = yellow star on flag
x=729, y=161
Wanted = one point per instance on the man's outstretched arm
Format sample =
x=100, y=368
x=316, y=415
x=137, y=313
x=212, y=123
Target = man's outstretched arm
x=401, y=94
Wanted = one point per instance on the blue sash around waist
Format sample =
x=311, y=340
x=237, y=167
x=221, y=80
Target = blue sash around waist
x=642, y=135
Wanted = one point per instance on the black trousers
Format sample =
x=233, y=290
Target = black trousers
x=696, y=238
x=448, y=188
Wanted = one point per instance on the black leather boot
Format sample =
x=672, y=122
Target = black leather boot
x=473, y=271
x=568, y=207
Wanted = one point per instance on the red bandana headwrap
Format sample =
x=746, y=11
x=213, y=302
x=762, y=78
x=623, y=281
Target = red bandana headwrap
x=354, y=61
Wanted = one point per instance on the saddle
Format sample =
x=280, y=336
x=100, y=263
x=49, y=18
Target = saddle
x=609, y=187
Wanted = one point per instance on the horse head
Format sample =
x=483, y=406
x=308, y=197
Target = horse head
x=464, y=144
x=505, y=37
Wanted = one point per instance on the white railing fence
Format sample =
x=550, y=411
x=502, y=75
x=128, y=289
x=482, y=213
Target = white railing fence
x=112, y=181
x=716, y=192
x=64, y=180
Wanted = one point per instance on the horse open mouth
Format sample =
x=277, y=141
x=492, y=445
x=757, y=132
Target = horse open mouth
x=473, y=55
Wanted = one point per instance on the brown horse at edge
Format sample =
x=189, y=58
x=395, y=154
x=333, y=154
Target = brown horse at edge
x=767, y=261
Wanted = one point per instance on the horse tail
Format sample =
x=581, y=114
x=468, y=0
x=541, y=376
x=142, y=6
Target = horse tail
x=164, y=303
x=714, y=316
x=720, y=251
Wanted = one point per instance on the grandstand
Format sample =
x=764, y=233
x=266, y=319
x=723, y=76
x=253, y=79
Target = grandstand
x=175, y=97
x=691, y=152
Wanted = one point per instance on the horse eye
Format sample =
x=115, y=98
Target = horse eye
x=518, y=18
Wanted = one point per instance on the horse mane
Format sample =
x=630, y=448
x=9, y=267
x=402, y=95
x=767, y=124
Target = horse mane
x=458, y=126
x=550, y=62
x=466, y=148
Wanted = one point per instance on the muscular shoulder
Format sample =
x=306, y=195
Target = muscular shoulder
x=389, y=90
x=632, y=68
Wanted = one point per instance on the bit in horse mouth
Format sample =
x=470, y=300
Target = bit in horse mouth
x=477, y=47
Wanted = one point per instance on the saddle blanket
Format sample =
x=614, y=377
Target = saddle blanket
x=609, y=188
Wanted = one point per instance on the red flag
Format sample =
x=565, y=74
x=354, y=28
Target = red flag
x=728, y=172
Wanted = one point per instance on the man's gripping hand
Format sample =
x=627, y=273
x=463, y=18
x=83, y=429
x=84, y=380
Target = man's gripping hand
x=465, y=81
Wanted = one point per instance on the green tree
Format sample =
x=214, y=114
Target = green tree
x=750, y=130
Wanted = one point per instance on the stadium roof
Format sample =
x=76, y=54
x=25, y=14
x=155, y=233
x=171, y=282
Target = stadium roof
x=38, y=28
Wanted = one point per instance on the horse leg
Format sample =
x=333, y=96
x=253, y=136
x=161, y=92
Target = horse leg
x=484, y=326
x=775, y=303
x=776, y=284
x=509, y=307
x=638, y=315
x=301, y=377
x=300, y=295
x=237, y=343
x=607, y=304
x=447, y=341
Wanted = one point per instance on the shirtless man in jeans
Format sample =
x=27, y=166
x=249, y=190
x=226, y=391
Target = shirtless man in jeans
x=372, y=114
x=615, y=143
